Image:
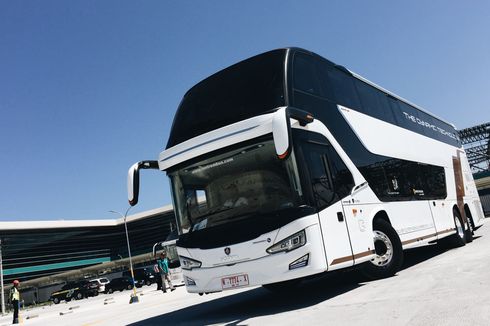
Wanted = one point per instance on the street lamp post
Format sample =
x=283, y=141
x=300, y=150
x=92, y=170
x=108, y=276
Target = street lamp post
x=1, y=279
x=134, y=297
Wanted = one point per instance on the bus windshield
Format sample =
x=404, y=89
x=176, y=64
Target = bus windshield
x=243, y=182
x=252, y=87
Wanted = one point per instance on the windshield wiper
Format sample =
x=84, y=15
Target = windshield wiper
x=212, y=212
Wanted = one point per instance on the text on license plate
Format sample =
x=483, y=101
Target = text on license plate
x=234, y=281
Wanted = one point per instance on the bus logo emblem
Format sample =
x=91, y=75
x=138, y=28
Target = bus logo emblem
x=227, y=250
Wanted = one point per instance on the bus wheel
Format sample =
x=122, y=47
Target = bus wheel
x=459, y=238
x=470, y=226
x=389, y=252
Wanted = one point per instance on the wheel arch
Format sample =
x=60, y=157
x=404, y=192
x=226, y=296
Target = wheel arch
x=456, y=209
x=381, y=215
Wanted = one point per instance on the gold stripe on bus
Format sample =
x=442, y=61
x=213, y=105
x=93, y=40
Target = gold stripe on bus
x=348, y=258
x=427, y=236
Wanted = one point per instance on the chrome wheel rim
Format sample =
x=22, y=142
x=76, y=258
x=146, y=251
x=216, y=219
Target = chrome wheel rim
x=383, y=248
x=459, y=227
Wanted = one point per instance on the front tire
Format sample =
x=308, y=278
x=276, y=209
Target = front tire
x=389, y=252
x=56, y=300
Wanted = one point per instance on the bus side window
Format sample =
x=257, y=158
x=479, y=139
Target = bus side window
x=342, y=179
x=330, y=178
x=321, y=183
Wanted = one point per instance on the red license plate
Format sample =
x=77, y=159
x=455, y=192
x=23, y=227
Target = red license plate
x=234, y=281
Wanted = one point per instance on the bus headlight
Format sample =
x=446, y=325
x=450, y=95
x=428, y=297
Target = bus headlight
x=187, y=263
x=290, y=243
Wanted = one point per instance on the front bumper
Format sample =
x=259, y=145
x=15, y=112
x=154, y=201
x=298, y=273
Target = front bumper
x=270, y=268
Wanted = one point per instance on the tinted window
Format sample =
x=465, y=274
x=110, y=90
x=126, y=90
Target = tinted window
x=305, y=75
x=374, y=102
x=411, y=118
x=321, y=183
x=343, y=87
x=434, y=181
x=396, y=179
x=342, y=179
x=311, y=76
x=247, y=89
x=330, y=179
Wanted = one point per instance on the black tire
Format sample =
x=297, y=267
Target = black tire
x=110, y=291
x=459, y=238
x=148, y=282
x=470, y=225
x=78, y=296
x=389, y=252
x=283, y=287
x=129, y=287
x=56, y=300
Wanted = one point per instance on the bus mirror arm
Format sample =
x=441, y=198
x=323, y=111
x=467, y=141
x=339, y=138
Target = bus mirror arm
x=134, y=179
x=281, y=128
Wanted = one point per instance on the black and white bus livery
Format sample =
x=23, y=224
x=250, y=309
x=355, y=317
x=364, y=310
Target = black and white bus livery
x=286, y=165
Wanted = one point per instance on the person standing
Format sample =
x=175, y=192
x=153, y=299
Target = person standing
x=163, y=266
x=15, y=299
x=156, y=271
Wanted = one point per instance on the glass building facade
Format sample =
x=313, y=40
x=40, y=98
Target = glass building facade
x=36, y=249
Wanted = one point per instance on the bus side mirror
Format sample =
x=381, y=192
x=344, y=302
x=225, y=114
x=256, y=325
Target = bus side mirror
x=281, y=128
x=281, y=131
x=134, y=179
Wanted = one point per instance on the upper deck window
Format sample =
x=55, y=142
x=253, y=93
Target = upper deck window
x=247, y=89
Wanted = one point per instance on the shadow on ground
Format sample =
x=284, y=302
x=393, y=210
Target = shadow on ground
x=237, y=308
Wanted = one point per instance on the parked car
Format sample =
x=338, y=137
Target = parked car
x=121, y=283
x=75, y=290
x=142, y=275
x=101, y=282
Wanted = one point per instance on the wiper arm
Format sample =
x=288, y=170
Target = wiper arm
x=212, y=212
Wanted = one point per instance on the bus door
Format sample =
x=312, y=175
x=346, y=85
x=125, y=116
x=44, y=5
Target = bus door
x=325, y=179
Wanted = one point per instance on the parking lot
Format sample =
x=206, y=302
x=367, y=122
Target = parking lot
x=435, y=287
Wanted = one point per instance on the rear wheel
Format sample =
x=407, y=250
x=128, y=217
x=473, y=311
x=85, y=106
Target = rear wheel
x=470, y=225
x=79, y=296
x=110, y=291
x=459, y=238
x=129, y=287
x=148, y=282
x=56, y=300
x=389, y=252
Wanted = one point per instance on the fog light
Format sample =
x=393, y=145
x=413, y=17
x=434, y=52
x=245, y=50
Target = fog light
x=301, y=262
x=189, y=281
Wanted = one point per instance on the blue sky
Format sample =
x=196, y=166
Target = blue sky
x=87, y=88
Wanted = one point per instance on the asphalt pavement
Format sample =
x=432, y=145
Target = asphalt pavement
x=436, y=286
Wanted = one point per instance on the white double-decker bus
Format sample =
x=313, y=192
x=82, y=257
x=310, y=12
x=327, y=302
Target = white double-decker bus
x=287, y=165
